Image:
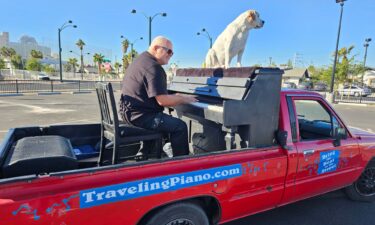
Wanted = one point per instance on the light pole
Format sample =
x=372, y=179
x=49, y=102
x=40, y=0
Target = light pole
x=132, y=45
x=81, y=55
x=366, y=44
x=150, y=18
x=337, y=48
x=207, y=35
x=65, y=25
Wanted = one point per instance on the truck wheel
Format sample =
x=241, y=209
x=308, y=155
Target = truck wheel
x=179, y=214
x=364, y=188
x=356, y=94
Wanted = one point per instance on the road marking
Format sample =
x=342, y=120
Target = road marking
x=75, y=121
x=352, y=104
x=365, y=130
x=357, y=128
x=37, y=109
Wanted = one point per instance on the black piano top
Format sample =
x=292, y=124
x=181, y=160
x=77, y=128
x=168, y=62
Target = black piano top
x=240, y=72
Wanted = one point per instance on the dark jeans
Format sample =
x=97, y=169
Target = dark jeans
x=165, y=123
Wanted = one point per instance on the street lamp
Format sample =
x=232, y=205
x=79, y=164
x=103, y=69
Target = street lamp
x=150, y=18
x=337, y=48
x=65, y=25
x=366, y=44
x=207, y=35
x=131, y=47
x=87, y=53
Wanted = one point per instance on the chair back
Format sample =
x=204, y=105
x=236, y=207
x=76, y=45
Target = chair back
x=107, y=104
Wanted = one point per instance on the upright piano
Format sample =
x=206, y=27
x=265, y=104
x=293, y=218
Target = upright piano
x=241, y=105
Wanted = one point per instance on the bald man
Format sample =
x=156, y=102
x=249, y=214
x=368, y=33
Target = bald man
x=144, y=96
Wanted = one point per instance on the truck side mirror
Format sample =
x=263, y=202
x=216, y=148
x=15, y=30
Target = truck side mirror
x=281, y=138
x=338, y=132
x=341, y=133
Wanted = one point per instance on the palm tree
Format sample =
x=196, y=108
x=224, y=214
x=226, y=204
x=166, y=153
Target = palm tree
x=125, y=63
x=125, y=46
x=80, y=45
x=2, y=65
x=7, y=52
x=98, y=58
x=117, y=67
x=344, y=66
x=36, y=54
x=16, y=61
x=73, y=63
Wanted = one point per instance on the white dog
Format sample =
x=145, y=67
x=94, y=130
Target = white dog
x=232, y=41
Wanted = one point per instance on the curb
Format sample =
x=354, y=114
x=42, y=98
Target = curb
x=48, y=93
x=10, y=95
x=353, y=104
x=80, y=92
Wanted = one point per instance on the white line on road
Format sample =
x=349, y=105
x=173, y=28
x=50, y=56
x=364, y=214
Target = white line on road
x=365, y=130
x=75, y=121
x=357, y=128
x=37, y=109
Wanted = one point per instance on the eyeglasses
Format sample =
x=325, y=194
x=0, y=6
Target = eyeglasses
x=168, y=50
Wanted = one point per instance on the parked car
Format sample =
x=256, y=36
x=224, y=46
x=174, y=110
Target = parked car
x=290, y=85
x=320, y=86
x=306, y=85
x=354, y=90
x=42, y=76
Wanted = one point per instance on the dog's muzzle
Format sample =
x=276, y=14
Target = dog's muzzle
x=261, y=24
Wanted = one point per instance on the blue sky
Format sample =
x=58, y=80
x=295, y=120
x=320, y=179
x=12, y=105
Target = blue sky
x=306, y=27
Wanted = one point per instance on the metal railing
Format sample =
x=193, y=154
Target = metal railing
x=13, y=74
x=35, y=86
x=354, y=99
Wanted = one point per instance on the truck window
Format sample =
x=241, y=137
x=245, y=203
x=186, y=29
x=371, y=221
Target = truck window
x=314, y=121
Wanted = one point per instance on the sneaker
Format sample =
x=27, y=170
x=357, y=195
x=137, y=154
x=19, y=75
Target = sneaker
x=167, y=148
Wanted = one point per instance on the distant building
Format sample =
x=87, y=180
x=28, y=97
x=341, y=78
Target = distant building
x=369, y=78
x=296, y=75
x=24, y=46
x=4, y=39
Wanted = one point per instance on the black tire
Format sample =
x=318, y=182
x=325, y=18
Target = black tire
x=179, y=214
x=364, y=188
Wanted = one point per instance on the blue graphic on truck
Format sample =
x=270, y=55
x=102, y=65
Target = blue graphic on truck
x=328, y=161
x=146, y=187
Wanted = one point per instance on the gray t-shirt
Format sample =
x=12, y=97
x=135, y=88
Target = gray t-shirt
x=144, y=79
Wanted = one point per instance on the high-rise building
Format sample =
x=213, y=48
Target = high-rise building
x=24, y=46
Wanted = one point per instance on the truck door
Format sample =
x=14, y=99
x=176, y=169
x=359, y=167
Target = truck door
x=323, y=165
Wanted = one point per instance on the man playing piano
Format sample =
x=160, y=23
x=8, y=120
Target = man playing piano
x=144, y=96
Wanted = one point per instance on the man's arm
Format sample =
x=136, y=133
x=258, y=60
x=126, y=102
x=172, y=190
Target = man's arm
x=173, y=100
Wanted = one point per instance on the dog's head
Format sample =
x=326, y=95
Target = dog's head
x=253, y=18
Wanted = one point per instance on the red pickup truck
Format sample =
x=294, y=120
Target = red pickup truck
x=315, y=153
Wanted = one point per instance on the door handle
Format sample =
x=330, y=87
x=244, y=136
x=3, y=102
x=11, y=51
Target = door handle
x=308, y=152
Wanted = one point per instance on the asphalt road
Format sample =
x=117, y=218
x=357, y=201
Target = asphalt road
x=329, y=209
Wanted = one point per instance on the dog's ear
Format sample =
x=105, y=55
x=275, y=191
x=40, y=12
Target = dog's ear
x=252, y=15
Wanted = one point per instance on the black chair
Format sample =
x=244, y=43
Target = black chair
x=120, y=134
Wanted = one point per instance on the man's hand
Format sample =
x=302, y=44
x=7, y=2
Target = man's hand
x=173, y=100
x=187, y=98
